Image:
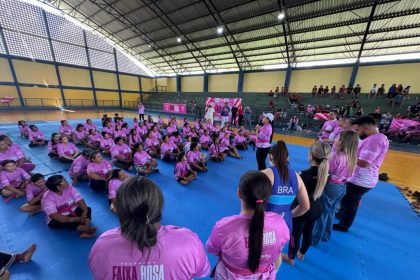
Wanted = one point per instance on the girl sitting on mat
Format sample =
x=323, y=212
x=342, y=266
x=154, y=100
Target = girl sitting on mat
x=99, y=172
x=171, y=128
x=13, y=151
x=156, y=133
x=118, y=132
x=117, y=177
x=177, y=139
x=13, y=180
x=187, y=144
x=168, y=150
x=106, y=143
x=93, y=139
x=141, y=244
x=121, y=154
x=183, y=172
x=240, y=141
x=64, y=207
x=89, y=125
x=144, y=164
x=108, y=129
x=205, y=140
x=80, y=135
x=66, y=130
x=152, y=145
x=195, y=159
x=142, y=130
x=249, y=245
x=215, y=151
x=133, y=138
x=227, y=148
x=34, y=192
x=36, y=137
x=314, y=179
x=23, y=129
x=52, y=145
x=78, y=168
x=67, y=151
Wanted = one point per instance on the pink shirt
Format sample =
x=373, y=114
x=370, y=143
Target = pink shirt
x=205, y=139
x=79, y=166
x=68, y=149
x=238, y=139
x=24, y=128
x=141, y=109
x=95, y=138
x=178, y=254
x=336, y=133
x=134, y=139
x=372, y=150
x=176, y=140
x=339, y=168
x=102, y=168
x=229, y=239
x=141, y=130
x=140, y=158
x=224, y=144
x=113, y=187
x=66, y=130
x=328, y=127
x=156, y=135
x=36, y=135
x=52, y=147
x=12, y=153
x=106, y=143
x=151, y=142
x=123, y=151
x=64, y=204
x=193, y=156
x=33, y=191
x=13, y=178
x=119, y=133
x=89, y=127
x=108, y=130
x=214, y=149
x=171, y=129
x=182, y=169
x=79, y=135
x=264, y=135
x=167, y=147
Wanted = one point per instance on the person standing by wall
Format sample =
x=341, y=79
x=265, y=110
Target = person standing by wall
x=209, y=114
x=225, y=114
x=247, y=115
x=234, y=114
x=141, y=111
x=240, y=115
x=263, y=144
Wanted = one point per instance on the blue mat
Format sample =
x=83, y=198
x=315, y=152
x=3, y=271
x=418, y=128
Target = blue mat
x=382, y=244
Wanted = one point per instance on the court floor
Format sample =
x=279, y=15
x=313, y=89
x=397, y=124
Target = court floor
x=382, y=244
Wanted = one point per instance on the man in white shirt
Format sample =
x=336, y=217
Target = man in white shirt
x=209, y=114
x=373, y=91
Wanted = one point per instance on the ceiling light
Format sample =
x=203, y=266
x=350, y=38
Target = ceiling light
x=220, y=30
x=149, y=46
x=282, y=15
x=178, y=40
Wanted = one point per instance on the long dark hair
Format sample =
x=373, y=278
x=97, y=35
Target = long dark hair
x=254, y=190
x=139, y=205
x=280, y=156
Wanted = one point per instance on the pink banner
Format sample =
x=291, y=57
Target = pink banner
x=402, y=124
x=175, y=108
x=218, y=104
x=322, y=116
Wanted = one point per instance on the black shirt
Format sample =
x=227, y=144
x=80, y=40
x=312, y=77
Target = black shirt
x=310, y=178
x=234, y=110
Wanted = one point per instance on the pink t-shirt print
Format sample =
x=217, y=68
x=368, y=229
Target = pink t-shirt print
x=229, y=240
x=113, y=187
x=102, y=168
x=372, y=150
x=140, y=158
x=178, y=254
x=13, y=178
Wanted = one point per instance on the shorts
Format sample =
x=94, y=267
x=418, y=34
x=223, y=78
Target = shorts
x=98, y=185
x=73, y=226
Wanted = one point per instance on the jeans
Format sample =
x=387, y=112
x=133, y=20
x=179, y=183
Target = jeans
x=225, y=119
x=331, y=197
x=350, y=203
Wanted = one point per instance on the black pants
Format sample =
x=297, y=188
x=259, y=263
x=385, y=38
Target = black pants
x=98, y=185
x=241, y=120
x=233, y=120
x=73, y=226
x=122, y=164
x=301, y=228
x=65, y=160
x=350, y=203
x=141, y=117
x=261, y=156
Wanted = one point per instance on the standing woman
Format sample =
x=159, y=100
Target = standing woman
x=342, y=164
x=249, y=245
x=286, y=186
x=314, y=179
x=141, y=244
x=141, y=111
x=263, y=144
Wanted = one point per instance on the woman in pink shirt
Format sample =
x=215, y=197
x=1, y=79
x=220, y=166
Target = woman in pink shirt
x=195, y=159
x=118, y=176
x=205, y=140
x=78, y=168
x=227, y=148
x=67, y=151
x=99, y=172
x=171, y=128
x=342, y=165
x=10, y=150
x=144, y=164
x=156, y=133
x=249, y=245
x=133, y=138
x=65, y=129
x=152, y=145
x=215, y=152
x=64, y=207
x=34, y=192
x=106, y=143
x=168, y=150
x=142, y=130
x=36, y=137
x=240, y=141
x=23, y=129
x=177, y=139
x=80, y=136
x=121, y=154
x=141, y=111
x=141, y=244
x=119, y=133
x=89, y=125
x=13, y=180
x=183, y=172
x=52, y=145
x=94, y=139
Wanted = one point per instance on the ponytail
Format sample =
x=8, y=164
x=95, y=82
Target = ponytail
x=321, y=153
x=280, y=156
x=255, y=190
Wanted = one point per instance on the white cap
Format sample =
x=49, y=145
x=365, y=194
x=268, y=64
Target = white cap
x=269, y=116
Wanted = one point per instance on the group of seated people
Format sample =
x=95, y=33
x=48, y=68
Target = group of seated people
x=339, y=94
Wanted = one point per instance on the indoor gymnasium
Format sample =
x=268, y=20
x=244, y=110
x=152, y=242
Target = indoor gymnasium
x=225, y=139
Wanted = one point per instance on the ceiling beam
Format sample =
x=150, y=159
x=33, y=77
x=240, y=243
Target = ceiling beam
x=372, y=13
